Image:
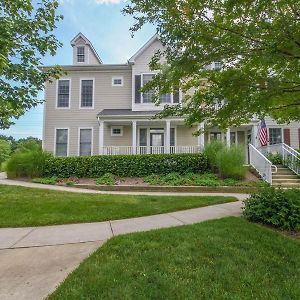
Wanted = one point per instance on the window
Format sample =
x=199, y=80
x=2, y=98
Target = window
x=275, y=136
x=117, y=81
x=117, y=131
x=147, y=97
x=80, y=54
x=85, y=142
x=218, y=66
x=232, y=137
x=172, y=137
x=63, y=93
x=61, y=147
x=215, y=136
x=87, y=93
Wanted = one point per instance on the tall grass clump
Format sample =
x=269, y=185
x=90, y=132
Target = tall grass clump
x=211, y=150
x=228, y=162
x=28, y=161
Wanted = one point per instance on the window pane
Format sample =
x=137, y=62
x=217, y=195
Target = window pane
x=165, y=98
x=85, y=142
x=62, y=136
x=275, y=136
x=172, y=137
x=143, y=137
x=63, y=93
x=61, y=142
x=232, y=137
x=86, y=93
x=147, y=97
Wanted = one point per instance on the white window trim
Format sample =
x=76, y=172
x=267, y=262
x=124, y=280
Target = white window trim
x=68, y=143
x=70, y=89
x=92, y=141
x=117, y=77
x=80, y=87
x=116, y=127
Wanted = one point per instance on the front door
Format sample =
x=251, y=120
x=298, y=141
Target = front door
x=156, y=142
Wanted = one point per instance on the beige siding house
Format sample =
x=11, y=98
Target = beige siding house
x=98, y=109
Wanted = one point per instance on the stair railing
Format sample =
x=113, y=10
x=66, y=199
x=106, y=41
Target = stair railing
x=262, y=165
x=291, y=158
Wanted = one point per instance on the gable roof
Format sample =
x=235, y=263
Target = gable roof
x=141, y=50
x=87, y=41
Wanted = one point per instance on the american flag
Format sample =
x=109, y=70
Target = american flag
x=263, y=133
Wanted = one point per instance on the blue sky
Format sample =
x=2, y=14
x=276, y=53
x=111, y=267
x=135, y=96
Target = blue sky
x=102, y=22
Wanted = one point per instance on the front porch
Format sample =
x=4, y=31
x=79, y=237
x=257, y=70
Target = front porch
x=125, y=132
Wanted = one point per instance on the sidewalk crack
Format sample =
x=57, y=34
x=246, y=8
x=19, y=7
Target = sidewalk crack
x=23, y=237
x=112, y=232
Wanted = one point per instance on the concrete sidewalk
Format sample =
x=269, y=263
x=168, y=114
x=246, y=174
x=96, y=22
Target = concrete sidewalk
x=5, y=181
x=12, y=238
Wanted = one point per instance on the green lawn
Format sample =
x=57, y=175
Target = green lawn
x=30, y=207
x=221, y=259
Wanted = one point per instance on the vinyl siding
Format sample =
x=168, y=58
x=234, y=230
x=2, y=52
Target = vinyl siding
x=184, y=136
x=105, y=96
x=125, y=140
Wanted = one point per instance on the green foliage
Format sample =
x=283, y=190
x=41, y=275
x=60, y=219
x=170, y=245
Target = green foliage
x=211, y=150
x=257, y=43
x=230, y=162
x=275, y=158
x=274, y=207
x=26, y=37
x=46, y=180
x=227, y=161
x=5, y=151
x=106, y=179
x=29, y=144
x=124, y=165
x=189, y=179
x=27, y=162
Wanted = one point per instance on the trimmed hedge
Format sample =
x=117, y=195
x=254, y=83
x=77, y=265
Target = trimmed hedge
x=125, y=165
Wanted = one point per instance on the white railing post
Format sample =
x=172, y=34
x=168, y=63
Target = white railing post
x=228, y=137
x=201, y=140
x=168, y=136
x=101, y=137
x=133, y=137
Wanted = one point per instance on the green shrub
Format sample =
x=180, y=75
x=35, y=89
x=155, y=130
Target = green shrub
x=211, y=150
x=29, y=163
x=46, y=180
x=125, y=165
x=5, y=150
x=106, y=179
x=274, y=207
x=275, y=158
x=230, y=162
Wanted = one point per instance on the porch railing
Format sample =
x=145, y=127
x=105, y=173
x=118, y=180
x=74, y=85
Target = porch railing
x=290, y=157
x=127, y=150
x=263, y=166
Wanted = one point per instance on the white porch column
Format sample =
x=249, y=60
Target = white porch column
x=101, y=137
x=254, y=135
x=228, y=137
x=168, y=136
x=201, y=140
x=133, y=137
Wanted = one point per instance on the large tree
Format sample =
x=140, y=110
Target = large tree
x=26, y=28
x=258, y=43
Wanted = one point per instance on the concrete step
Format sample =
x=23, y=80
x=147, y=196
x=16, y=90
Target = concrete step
x=285, y=176
x=287, y=185
x=284, y=171
x=284, y=181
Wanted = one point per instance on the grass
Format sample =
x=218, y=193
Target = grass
x=221, y=259
x=21, y=207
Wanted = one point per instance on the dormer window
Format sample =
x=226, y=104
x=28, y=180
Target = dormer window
x=80, y=54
